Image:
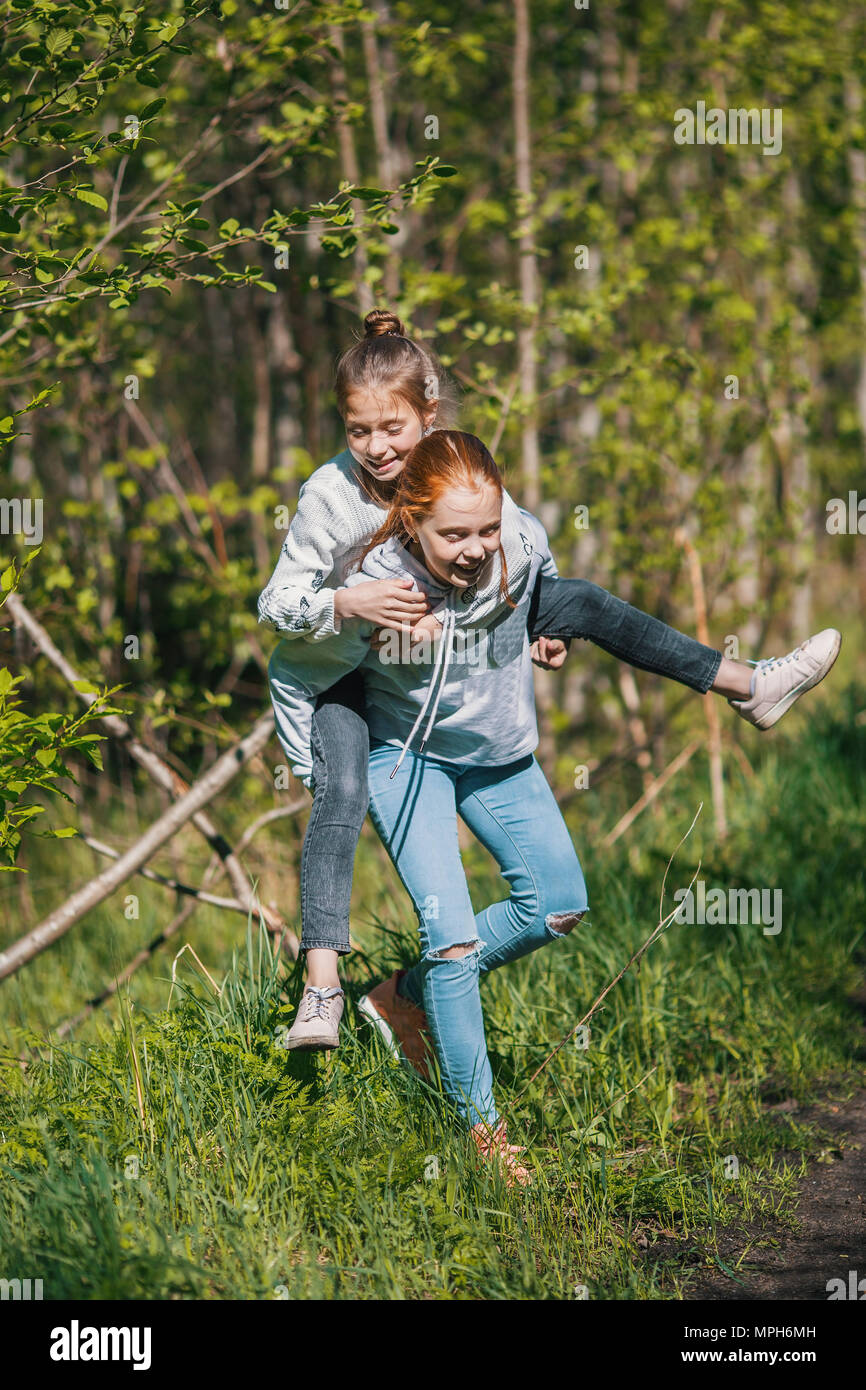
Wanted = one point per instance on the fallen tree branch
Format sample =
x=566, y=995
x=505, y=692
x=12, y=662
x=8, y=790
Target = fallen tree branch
x=266, y=817
x=147, y=952
x=161, y=773
x=58, y=922
x=186, y=889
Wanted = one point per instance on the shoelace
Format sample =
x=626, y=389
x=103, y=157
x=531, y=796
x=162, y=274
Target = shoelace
x=317, y=1001
x=766, y=663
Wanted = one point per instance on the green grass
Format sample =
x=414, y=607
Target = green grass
x=178, y=1152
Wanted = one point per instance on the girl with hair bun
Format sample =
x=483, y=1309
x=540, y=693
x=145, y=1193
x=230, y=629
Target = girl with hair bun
x=390, y=391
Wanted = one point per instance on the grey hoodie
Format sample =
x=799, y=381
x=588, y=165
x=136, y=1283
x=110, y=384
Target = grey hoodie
x=465, y=701
x=477, y=692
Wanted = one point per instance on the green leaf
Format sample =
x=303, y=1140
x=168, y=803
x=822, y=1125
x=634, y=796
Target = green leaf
x=88, y=195
x=59, y=40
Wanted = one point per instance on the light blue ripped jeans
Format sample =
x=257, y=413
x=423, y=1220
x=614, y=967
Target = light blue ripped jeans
x=514, y=814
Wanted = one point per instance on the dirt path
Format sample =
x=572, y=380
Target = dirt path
x=831, y=1241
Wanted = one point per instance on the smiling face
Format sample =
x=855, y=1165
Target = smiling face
x=457, y=538
x=380, y=431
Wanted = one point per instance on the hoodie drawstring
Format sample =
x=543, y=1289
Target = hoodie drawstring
x=437, y=682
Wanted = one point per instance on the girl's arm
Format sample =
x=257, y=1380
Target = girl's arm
x=297, y=599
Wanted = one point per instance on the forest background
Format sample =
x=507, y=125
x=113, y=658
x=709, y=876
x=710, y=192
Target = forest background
x=664, y=345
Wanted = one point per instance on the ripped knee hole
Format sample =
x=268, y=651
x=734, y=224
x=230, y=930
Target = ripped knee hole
x=456, y=952
x=561, y=923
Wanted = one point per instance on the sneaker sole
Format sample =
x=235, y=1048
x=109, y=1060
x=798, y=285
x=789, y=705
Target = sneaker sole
x=370, y=1012
x=313, y=1044
x=781, y=707
x=366, y=1007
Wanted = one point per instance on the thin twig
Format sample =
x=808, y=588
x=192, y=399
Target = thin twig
x=503, y=415
x=654, y=936
x=186, y=889
x=651, y=793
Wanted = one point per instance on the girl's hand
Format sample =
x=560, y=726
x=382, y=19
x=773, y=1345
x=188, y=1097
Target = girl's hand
x=549, y=653
x=384, y=602
x=428, y=626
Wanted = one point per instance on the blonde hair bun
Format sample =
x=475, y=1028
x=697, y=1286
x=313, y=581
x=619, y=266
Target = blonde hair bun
x=381, y=321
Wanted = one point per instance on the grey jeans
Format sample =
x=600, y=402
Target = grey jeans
x=565, y=608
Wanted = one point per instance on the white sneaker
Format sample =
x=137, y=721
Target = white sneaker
x=780, y=680
x=317, y=1022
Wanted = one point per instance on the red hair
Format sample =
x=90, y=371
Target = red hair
x=439, y=461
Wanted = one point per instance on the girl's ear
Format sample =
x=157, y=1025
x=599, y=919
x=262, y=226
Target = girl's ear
x=405, y=522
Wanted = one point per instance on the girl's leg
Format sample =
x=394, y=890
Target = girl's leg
x=578, y=608
x=514, y=814
x=340, y=747
x=761, y=692
x=416, y=819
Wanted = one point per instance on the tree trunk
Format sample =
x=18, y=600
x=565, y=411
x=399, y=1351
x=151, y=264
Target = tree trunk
x=528, y=274
x=349, y=162
x=385, y=157
x=853, y=93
